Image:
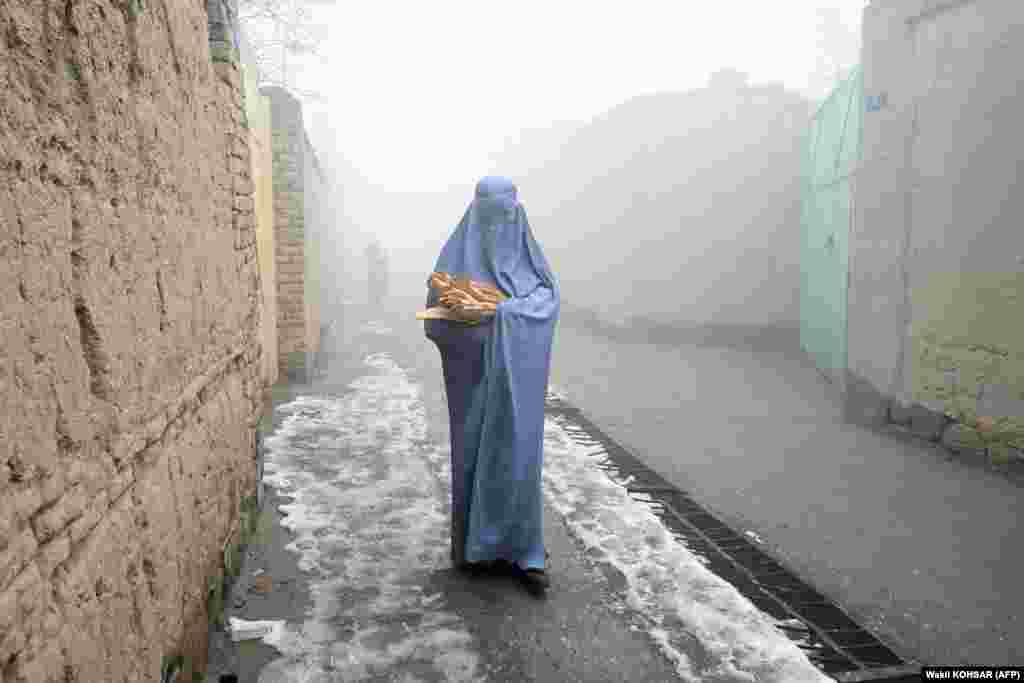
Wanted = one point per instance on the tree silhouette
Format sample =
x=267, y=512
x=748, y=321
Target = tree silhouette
x=281, y=34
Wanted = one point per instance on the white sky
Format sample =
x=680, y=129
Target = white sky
x=420, y=94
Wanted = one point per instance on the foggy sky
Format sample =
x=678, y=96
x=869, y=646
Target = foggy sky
x=422, y=99
x=422, y=95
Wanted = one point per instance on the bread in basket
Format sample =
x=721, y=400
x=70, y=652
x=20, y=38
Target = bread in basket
x=462, y=300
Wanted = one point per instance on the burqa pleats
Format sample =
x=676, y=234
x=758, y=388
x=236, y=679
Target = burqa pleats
x=496, y=378
x=462, y=360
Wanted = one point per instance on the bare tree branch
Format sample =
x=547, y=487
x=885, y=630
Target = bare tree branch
x=278, y=31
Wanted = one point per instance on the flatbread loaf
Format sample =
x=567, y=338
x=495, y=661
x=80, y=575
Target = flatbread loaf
x=462, y=298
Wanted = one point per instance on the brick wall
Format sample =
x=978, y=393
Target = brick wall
x=128, y=347
x=295, y=236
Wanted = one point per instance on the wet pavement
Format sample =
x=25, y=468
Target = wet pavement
x=352, y=554
x=923, y=549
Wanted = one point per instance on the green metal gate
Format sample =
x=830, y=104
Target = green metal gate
x=832, y=152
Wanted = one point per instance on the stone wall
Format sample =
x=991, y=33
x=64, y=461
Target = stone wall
x=295, y=236
x=129, y=352
x=936, y=254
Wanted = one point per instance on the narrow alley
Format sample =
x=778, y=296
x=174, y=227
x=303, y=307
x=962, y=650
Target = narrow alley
x=356, y=469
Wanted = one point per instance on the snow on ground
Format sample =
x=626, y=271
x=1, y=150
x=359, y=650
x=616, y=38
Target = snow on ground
x=666, y=583
x=370, y=526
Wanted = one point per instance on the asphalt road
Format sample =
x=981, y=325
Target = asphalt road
x=925, y=550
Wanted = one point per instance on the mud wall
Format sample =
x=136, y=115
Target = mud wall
x=129, y=351
x=936, y=255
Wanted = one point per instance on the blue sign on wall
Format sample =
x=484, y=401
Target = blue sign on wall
x=876, y=102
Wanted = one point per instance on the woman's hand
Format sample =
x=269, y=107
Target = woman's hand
x=467, y=314
x=473, y=313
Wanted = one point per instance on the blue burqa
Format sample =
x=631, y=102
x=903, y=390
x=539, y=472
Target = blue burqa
x=496, y=377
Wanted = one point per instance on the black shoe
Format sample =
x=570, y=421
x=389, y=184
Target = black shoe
x=472, y=568
x=535, y=581
x=505, y=568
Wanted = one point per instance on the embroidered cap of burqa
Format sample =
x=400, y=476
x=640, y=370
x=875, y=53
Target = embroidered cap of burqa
x=497, y=502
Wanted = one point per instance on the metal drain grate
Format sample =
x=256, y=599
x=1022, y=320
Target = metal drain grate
x=832, y=641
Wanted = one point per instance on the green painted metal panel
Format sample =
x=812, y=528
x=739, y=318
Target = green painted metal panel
x=832, y=152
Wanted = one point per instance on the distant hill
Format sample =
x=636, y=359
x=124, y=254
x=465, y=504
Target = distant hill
x=676, y=206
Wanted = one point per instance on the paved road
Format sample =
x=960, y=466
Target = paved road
x=921, y=547
x=355, y=542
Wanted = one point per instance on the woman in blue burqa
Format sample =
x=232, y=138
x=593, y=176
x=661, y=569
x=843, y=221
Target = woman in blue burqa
x=496, y=376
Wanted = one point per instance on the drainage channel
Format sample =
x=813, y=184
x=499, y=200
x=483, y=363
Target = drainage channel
x=831, y=640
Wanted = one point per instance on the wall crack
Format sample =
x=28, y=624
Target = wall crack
x=161, y=298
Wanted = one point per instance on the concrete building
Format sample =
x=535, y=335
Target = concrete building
x=933, y=308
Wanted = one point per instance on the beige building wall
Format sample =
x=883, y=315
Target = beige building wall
x=257, y=108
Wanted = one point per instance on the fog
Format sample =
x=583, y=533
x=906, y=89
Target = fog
x=659, y=151
x=657, y=146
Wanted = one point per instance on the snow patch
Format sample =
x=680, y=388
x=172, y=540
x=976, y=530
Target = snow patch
x=754, y=537
x=668, y=586
x=370, y=525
